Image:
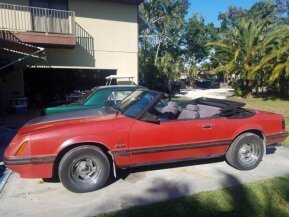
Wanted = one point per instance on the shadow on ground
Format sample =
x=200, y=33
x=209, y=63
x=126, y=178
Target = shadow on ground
x=125, y=173
x=239, y=201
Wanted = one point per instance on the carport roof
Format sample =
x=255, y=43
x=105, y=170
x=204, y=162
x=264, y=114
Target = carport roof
x=10, y=43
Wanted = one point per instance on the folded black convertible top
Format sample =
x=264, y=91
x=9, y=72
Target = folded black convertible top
x=225, y=105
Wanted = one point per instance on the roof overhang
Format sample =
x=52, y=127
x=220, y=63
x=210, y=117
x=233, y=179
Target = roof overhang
x=21, y=48
x=135, y=2
x=64, y=67
x=9, y=43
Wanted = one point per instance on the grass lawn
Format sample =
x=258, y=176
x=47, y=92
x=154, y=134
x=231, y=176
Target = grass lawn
x=263, y=198
x=271, y=105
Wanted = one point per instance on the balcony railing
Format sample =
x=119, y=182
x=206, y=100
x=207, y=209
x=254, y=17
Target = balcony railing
x=33, y=19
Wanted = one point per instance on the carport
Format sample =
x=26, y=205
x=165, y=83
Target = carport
x=14, y=55
x=43, y=85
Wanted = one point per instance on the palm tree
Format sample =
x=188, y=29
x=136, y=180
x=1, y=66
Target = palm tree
x=277, y=56
x=240, y=50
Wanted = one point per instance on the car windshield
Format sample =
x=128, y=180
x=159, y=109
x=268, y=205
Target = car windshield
x=136, y=102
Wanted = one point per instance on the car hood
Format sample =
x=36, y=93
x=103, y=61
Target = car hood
x=68, y=118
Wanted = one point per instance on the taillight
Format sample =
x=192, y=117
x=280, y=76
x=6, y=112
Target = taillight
x=283, y=124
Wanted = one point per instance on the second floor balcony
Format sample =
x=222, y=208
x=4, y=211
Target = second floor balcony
x=40, y=26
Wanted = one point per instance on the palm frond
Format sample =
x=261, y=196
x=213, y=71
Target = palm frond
x=276, y=72
x=287, y=66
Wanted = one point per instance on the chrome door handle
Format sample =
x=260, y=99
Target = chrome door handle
x=207, y=126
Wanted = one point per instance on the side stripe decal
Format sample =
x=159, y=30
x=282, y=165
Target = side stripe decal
x=122, y=153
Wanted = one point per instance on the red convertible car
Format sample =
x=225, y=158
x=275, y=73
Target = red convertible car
x=84, y=147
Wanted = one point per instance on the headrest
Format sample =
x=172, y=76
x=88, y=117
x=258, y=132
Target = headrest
x=170, y=109
x=192, y=107
x=172, y=104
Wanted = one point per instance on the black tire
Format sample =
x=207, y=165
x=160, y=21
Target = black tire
x=84, y=169
x=246, y=152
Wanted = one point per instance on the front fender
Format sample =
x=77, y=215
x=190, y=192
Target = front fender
x=81, y=139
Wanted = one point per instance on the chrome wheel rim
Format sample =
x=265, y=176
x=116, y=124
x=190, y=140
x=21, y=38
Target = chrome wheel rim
x=249, y=153
x=85, y=171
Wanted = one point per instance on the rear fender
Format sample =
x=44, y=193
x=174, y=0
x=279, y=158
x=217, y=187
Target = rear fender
x=251, y=129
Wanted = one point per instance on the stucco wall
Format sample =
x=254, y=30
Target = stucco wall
x=115, y=31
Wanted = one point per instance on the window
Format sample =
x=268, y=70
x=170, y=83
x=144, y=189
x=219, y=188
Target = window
x=137, y=102
x=116, y=97
x=96, y=98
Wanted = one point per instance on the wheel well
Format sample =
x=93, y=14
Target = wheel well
x=70, y=147
x=257, y=132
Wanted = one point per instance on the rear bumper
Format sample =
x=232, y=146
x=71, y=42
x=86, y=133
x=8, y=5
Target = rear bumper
x=37, y=167
x=276, y=138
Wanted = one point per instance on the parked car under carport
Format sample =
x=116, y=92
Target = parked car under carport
x=98, y=97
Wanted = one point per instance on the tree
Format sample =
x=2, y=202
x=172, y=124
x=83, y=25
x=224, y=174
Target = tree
x=166, y=19
x=197, y=35
x=239, y=51
x=276, y=59
x=263, y=12
x=230, y=18
x=282, y=8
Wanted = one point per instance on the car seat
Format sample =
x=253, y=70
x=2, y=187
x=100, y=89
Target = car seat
x=171, y=107
x=190, y=112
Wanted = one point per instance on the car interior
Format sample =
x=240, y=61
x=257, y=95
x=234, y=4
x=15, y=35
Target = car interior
x=191, y=111
x=198, y=109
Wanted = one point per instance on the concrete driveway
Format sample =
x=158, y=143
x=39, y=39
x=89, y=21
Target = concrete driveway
x=22, y=197
x=33, y=197
x=221, y=93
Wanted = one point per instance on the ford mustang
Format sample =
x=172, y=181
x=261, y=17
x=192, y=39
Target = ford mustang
x=84, y=147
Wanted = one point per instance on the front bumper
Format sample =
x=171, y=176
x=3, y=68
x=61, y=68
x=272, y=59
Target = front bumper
x=35, y=167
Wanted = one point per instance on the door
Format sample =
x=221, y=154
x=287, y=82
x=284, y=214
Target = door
x=175, y=140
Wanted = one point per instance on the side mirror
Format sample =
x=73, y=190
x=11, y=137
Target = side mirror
x=151, y=119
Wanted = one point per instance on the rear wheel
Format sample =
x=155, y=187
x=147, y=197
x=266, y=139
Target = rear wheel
x=246, y=152
x=84, y=169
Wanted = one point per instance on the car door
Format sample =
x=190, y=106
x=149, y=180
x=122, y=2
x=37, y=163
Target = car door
x=175, y=140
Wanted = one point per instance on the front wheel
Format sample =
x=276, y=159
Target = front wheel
x=84, y=169
x=246, y=152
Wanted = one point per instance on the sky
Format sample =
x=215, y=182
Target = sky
x=211, y=8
